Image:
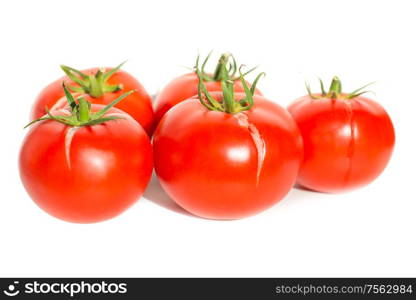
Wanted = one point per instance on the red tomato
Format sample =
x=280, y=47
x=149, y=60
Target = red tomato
x=348, y=140
x=89, y=173
x=227, y=166
x=138, y=104
x=186, y=86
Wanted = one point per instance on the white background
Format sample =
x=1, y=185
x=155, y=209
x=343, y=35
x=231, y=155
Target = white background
x=367, y=232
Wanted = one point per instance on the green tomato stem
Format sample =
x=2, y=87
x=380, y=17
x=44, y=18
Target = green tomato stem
x=228, y=103
x=95, y=85
x=335, y=90
x=81, y=114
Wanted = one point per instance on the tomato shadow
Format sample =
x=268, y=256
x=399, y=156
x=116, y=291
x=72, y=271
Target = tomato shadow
x=302, y=188
x=155, y=193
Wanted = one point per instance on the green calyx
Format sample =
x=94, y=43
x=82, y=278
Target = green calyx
x=81, y=114
x=226, y=68
x=335, y=90
x=228, y=103
x=95, y=85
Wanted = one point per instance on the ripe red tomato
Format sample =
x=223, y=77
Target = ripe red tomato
x=86, y=173
x=99, y=91
x=348, y=139
x=186, y=86
x=223, y=165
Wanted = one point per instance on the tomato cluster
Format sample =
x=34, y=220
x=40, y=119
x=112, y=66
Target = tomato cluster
x=220, y=149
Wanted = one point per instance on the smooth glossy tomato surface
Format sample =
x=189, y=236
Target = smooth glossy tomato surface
x=86, y=174
x=183, y=88
x=347, y=142
x=227, y=166
x=138, y=104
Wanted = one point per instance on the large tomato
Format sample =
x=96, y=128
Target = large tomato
x=99, y=86
x=223, y=165
x=186, y=86
x=348, y=139
x=86, y=172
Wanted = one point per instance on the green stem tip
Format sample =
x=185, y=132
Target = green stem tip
x=335, y=90
x=81, y=114
x=226, y=68
x=95, y=85
x=228, y=103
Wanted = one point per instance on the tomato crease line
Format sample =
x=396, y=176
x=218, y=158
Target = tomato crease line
x=257, y=139
x=351, y=145
x=68, y=141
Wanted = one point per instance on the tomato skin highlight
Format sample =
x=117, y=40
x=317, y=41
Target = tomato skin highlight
x=104, y=171
x=208, y=162
x=138, y=104
x=347, y=142
x=183, y=88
